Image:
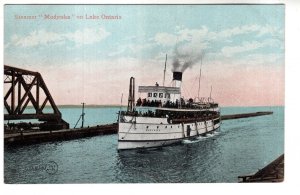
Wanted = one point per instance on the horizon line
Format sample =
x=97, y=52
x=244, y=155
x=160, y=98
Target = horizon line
x=117, y=105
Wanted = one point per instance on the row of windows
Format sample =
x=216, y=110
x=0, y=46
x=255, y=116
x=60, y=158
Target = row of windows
x=160, y=95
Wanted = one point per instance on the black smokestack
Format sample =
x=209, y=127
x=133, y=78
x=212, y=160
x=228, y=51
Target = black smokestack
x=177, y=76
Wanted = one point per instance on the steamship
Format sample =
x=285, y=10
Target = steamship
x=164, y=117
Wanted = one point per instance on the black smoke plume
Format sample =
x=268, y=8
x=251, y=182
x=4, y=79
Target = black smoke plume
x=183, y=60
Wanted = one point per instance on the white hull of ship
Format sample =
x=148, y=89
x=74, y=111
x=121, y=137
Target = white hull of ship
x=139, y=132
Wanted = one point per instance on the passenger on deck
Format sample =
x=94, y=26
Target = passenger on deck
x=152, y=103
x=159, y=103
x=139, y=102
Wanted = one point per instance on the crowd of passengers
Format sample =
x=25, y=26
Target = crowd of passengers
x=171, y=115
x=169, y=104
x=148, y=103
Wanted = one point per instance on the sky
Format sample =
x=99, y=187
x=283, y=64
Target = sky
x=92, y=60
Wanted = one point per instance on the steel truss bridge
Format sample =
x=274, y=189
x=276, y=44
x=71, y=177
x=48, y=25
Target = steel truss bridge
x=26, y=90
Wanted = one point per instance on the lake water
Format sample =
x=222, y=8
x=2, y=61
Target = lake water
x=240, y=147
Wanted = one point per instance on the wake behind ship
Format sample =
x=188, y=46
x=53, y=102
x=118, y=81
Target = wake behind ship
x=164, y=117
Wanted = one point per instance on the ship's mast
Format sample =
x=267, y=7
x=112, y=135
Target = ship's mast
x=165, y=70
x=131, y=96
x=202, y=55
x=199, y=81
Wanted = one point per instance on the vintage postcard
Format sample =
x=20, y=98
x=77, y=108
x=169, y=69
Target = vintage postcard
x=182, y=93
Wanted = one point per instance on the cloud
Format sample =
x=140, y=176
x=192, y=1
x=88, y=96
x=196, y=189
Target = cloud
x=216, y=44
x=131, y=48
x=165, y=39
x=239, y=30
x=246, y=46
x=192, y=34
x=204, y=34
x=245, y=29
x=182, y=35
x=42, y=37
x=229, y=51
x=87, y=36
x=269, y=30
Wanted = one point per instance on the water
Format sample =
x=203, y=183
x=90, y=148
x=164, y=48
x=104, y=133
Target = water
x=241, y=147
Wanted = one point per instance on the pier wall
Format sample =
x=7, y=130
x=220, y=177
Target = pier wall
x=24, y=138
